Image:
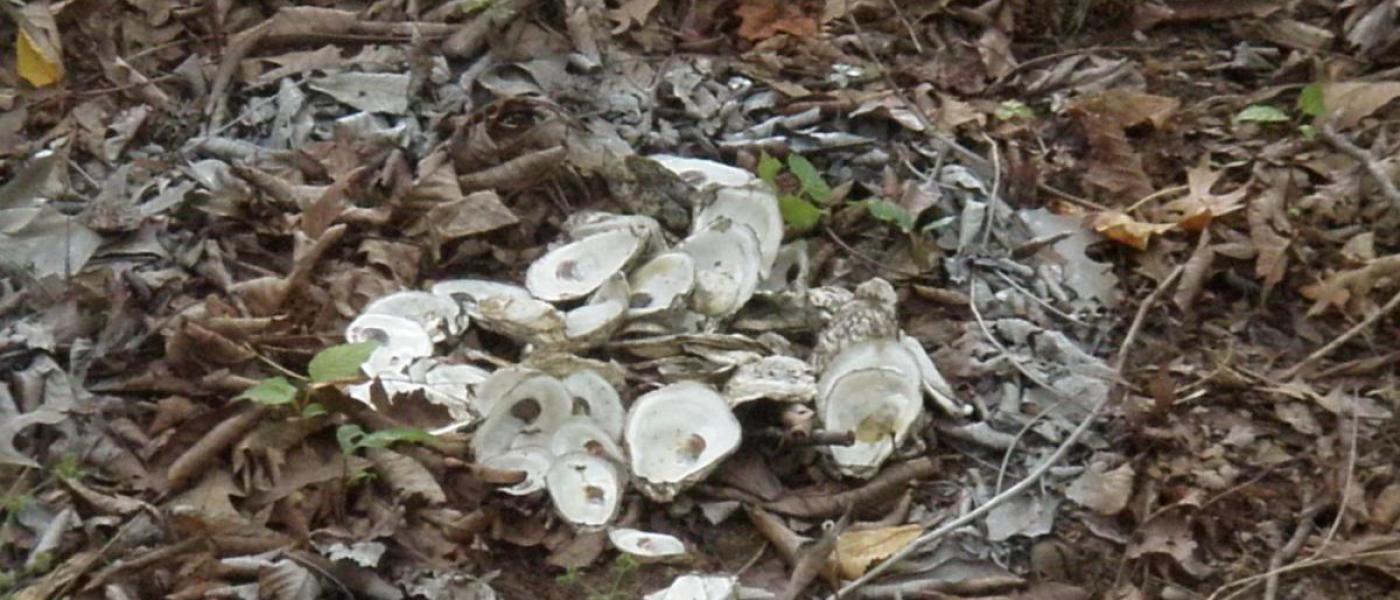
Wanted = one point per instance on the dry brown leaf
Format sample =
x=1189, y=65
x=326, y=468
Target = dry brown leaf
x=1195, y=273
x=1349, y=290
x=207, y=449
x=1385, y=510
x=1113, y=164
x=287, y=580
x=1269, y=231
x=1124, y=229
x=1104, y=492
x=763, y=19
x=406, y=476
x=631, y=13
x=1347, y=102
x=1170, y=534
x=856, y=551
x=1199, y=206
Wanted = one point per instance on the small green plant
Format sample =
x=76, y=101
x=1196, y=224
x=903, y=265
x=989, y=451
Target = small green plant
x=1311, y=104
x=352, y=437
x=621, y=579
x=1013, y=109
x=801, y=210
x=68, y=467
x=336, y=363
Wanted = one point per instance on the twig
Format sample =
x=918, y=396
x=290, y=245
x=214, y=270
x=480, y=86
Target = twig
x=1299, y=566
x=1367, y=160
x=877, y=264
x=1342, y=339
x=1290, y=549
x=1346, y=482
x=1035, y=475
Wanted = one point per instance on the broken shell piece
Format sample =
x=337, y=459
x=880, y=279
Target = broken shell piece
x=676, y=435
x=527, y=414
x=469, y=293
x=703, y=173
x=582, y=434
x=450, y=385
x=589, y=223
x=574, y=270
x=586, y=489
x=595, y=322
x=438, y=315
x=647, y=546
x=661, y=284
x=754, y=206
x=401, y=341
x=727, y=263
x=534, y=461
x=934, y=383
x=698, y=587
x=592, y=396
x=790, y=270
x=781, y=378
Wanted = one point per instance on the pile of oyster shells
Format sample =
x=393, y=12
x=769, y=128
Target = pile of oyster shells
x=624, y=282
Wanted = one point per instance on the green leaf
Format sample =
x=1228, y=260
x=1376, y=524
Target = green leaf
x=812, y=183
x=349, y=437
x=889, y=212
x=1261, y=113
x=1309, y=132
x=798, y=213
x=273, y=391
x=340, y=362
x=1011, y=109
x=768, y=168
x=387, y=437
x=313, y=410
x=1311, y=101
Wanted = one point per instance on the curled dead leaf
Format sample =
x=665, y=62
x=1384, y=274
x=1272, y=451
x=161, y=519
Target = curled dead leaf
x=856, y=551
x=1122, y=228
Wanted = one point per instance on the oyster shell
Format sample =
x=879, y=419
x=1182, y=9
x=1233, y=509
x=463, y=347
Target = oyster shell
x=592, y=396
x=698, y=587
x=595, y=322
x=647, y=546
x=534, y=461
x=469, y=293
x=582, y=434
x=525, y=320
x=676, y=435
x=703, y=173
x=872, y=388
x=754, y=206
x=727, y=267
x=437, y=315
x=401, y=341
x=661, y=285
x=781, y=378
x=575, y=269
x=586, y=489
x=526, y=414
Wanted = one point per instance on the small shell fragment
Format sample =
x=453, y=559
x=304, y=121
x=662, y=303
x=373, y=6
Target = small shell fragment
x=534, y=461
x=401, y=341
x=647, y=546
x=586, y=489
x=438, y=315
x=698, y=587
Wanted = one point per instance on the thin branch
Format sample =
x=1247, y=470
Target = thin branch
x=1035, y=475
x=1290, y=549
x=1342, y=339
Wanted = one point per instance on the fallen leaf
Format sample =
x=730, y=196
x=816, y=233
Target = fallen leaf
x=38, y=46
x=1195, y=273
x=1269, y=232
x=406, y=476
x=1169, y=534
x=1199, y=206
x=762, y=19
x=287, y=580
x=631, y=13
x=1349, y=290
x=856, y=551
x=1104, y=492
x=1347, y=102
x=1113, y=164
x=1124, y=229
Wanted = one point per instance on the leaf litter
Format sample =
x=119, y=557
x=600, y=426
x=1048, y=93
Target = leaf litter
x=894, y=203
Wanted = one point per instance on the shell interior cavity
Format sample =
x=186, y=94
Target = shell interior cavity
x=438, y=315
x=400, y=342
x=646, y=545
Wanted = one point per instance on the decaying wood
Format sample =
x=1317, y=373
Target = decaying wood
x=883, y=488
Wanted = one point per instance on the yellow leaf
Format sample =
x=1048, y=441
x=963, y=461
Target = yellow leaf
x=857, y=550
x=1125, y=230
x=36, y=68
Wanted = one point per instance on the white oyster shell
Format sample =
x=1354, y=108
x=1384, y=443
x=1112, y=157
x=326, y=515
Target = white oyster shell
x=469, y=293
x=873, y=389
x=698, y=587
x=586, y=489
x=727, y=264
x=596, y=321
x=526, y=414
x=525, y=320
x=592, y=396
x=676, y=435
x=582, y=434
x=401, y=341
x=589, y=223
x=781, y=378
x=703, y=173
x=661, y=285
x=755, y=206
x=647, y=546
x=438, y=315
x=575, y=269
x=534, y=461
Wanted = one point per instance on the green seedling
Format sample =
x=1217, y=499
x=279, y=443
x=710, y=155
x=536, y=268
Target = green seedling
x=336, y=363
x=801, y=210
x=1311, y=104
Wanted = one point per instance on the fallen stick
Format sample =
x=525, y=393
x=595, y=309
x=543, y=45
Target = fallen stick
x=1367, y=160
x=1342, y=339
x=1035, y=475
